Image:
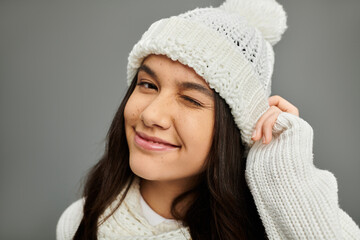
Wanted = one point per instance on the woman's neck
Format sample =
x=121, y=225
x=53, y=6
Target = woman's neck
x=159, y=195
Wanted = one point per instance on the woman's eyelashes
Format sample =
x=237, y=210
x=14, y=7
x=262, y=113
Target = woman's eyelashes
x=192, y=101
x=147, y=85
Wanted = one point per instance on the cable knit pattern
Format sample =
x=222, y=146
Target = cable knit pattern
x=295, y=199
x=247, y=40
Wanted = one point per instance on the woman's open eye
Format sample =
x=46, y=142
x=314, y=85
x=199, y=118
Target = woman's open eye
x=192, y=101
x=147, y=85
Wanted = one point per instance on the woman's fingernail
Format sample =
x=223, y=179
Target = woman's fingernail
x=254, y=133
x=264, y=139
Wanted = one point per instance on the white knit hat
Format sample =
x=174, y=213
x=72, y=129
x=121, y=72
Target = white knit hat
x=229, y=46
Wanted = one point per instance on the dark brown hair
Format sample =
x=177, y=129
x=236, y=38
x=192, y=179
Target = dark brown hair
x=221, y=207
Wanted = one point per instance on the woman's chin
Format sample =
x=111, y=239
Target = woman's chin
x=145, y=171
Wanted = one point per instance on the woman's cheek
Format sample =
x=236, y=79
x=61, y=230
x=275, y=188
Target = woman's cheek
x=197, y=131
x=132, y=109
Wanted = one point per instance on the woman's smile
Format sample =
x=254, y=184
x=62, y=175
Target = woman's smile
x=153, y=143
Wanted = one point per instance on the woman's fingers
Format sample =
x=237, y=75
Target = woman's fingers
x=268, y=126
x=261, y=128
x=264, y=126
x=283, y=104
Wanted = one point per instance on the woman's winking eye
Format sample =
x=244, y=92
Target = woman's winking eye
x=148, y=85
x=192, y=101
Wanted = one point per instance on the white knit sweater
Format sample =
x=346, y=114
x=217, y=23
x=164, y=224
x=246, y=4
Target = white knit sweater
x=295, y=199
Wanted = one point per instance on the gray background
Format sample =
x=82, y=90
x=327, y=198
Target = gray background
x=62, y=77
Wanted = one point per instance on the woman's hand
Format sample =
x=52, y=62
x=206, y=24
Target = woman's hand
x=263, y=128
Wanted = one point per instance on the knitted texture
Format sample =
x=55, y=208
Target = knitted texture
x=295, y=200
x=127, y=222
x=265, y=15
x=230, y=47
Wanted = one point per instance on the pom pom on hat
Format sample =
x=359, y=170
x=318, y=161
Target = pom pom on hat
x=267, y=16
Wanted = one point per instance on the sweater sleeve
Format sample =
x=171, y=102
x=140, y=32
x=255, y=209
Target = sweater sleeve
x=295, y=200
x=69, y=221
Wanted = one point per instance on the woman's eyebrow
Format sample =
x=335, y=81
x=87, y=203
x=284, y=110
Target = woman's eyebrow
x=196, y=86
x=148, y=70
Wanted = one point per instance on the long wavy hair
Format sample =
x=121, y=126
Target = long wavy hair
x=222, y=206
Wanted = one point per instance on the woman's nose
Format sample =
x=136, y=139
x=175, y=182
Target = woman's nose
x=158, y=113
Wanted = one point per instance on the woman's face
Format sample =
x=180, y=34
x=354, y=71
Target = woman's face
x=169, y=121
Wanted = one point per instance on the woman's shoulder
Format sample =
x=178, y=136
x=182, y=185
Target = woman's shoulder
x=70, y=220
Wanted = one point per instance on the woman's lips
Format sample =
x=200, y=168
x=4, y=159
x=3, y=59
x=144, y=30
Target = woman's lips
x=152, y=143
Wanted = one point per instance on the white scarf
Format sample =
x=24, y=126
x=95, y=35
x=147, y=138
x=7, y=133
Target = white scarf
x=128, y=221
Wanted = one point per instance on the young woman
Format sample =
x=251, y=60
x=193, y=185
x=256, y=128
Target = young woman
x=198, y=150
